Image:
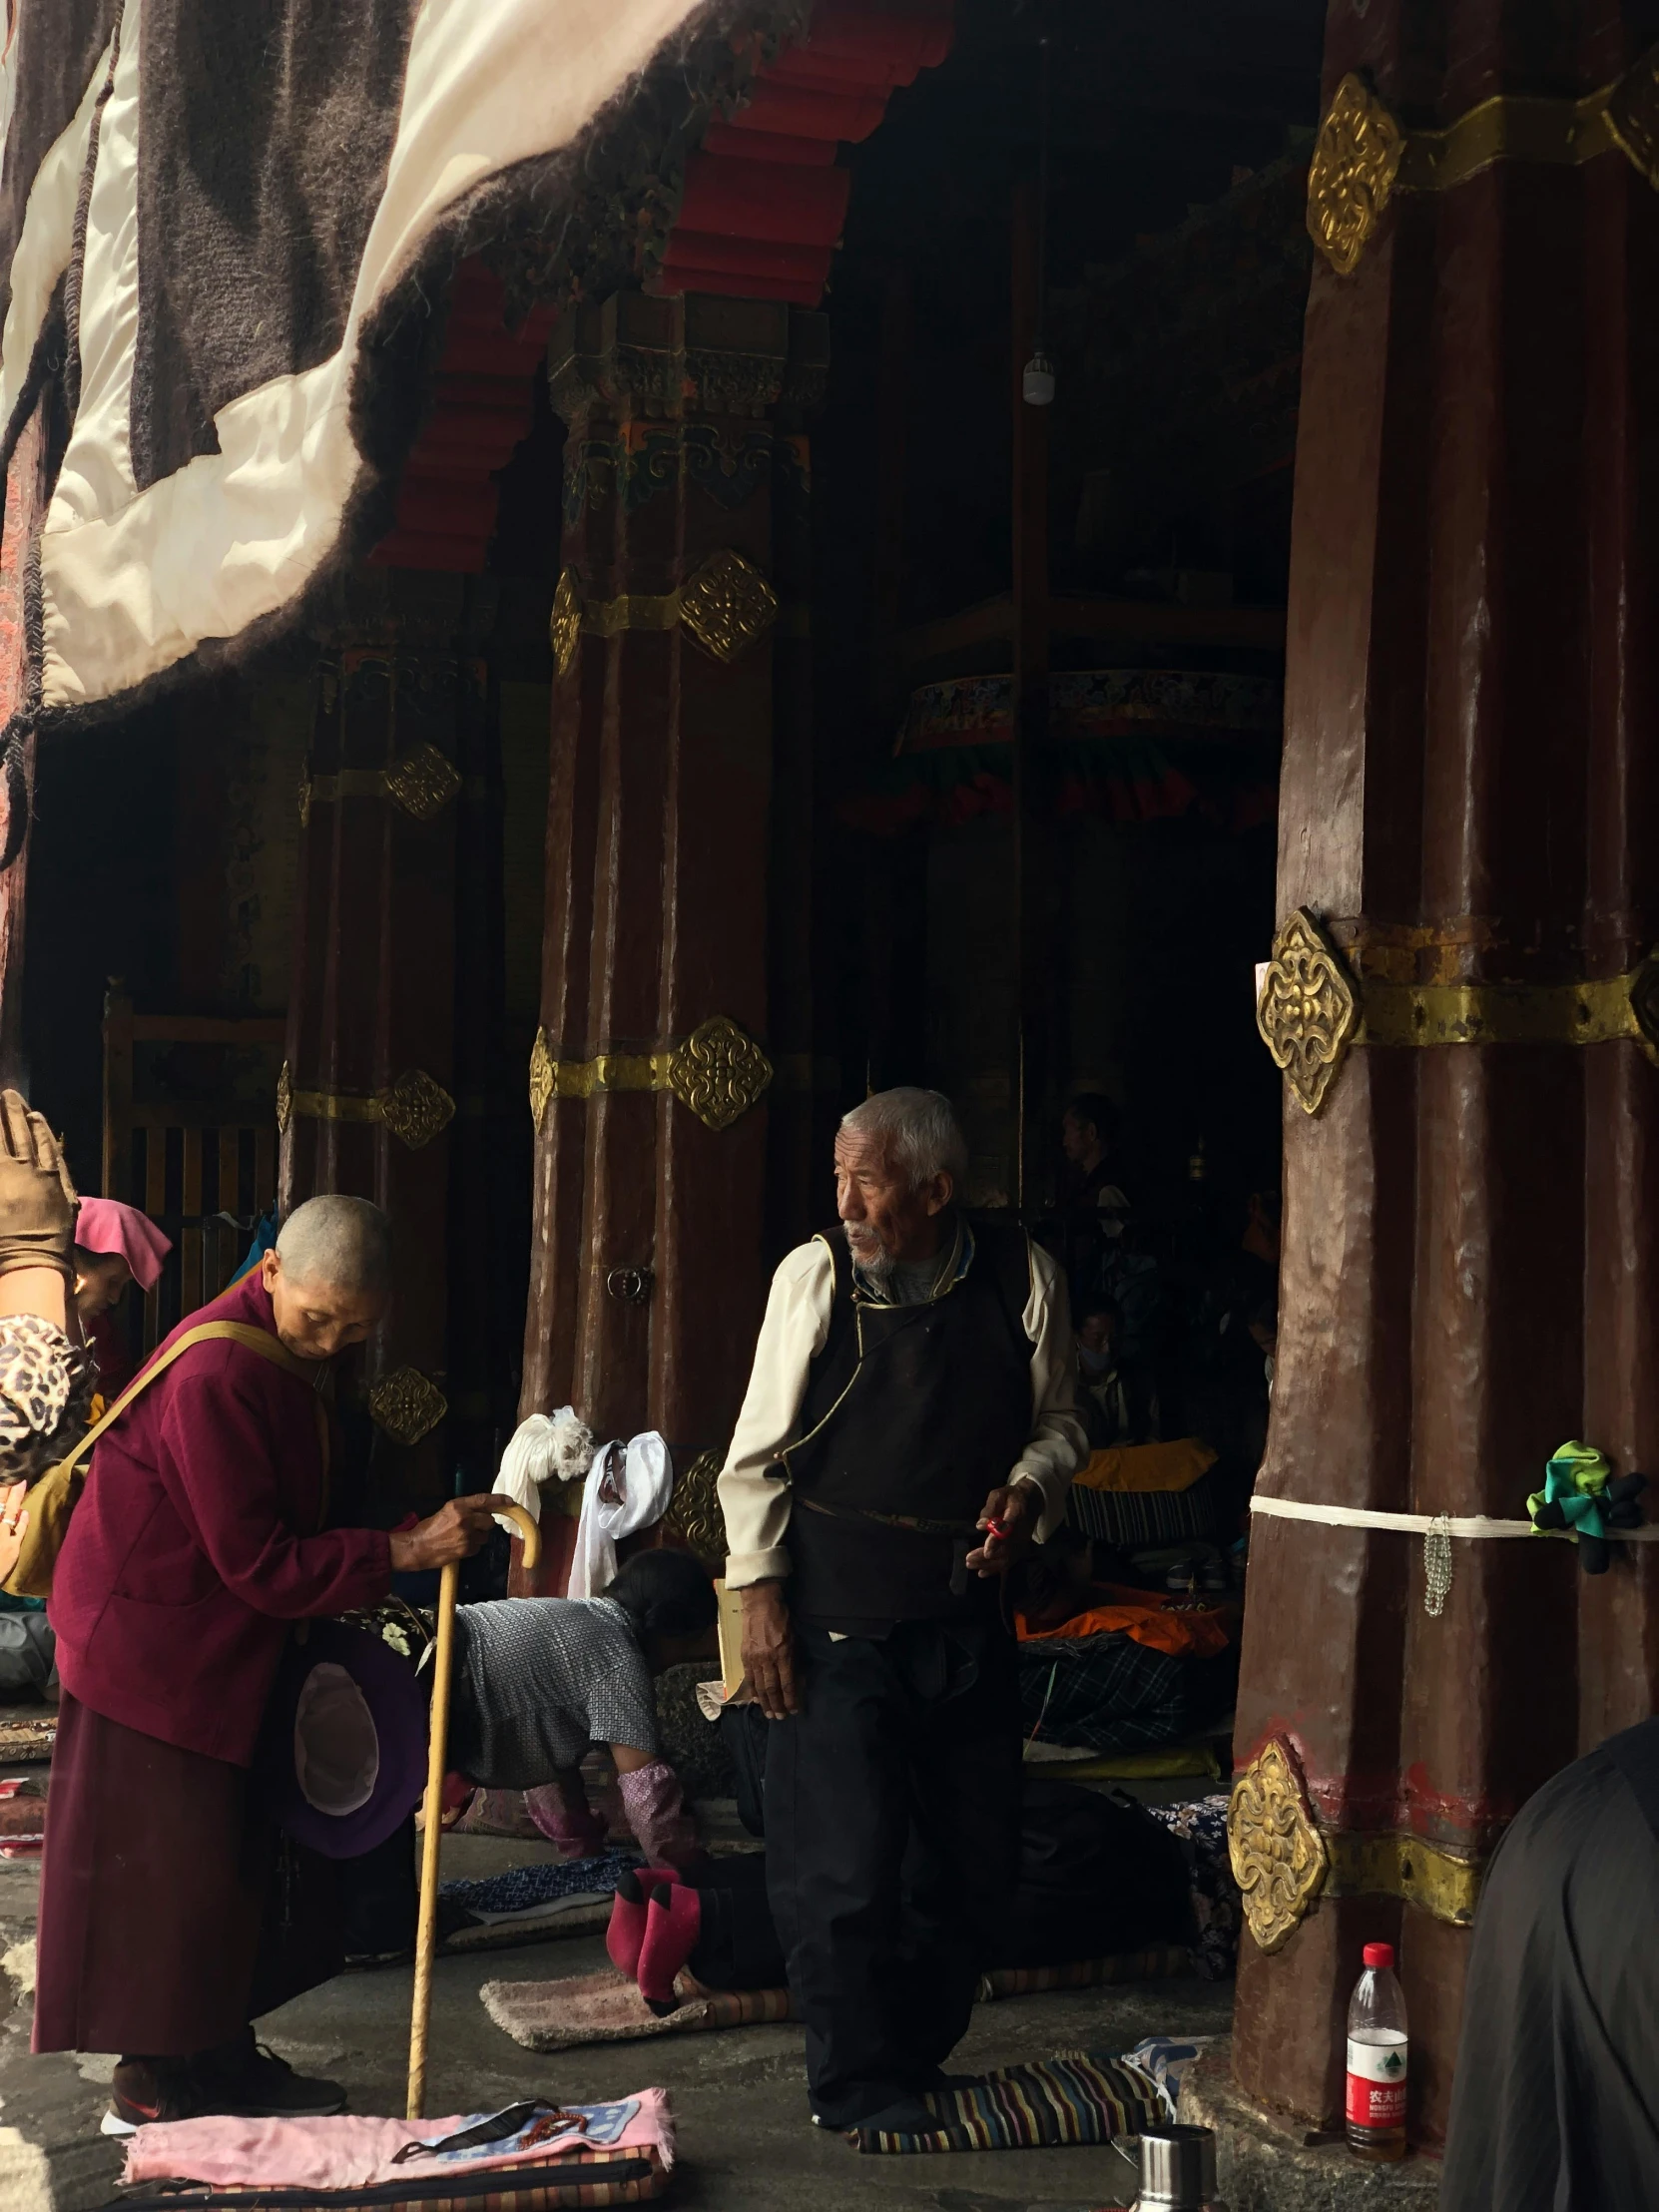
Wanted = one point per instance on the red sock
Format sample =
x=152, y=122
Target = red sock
x=673, y=1924
x=626, y=1932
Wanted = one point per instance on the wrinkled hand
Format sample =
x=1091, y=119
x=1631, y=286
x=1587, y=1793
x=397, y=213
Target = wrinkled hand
x=455, y=1531
x=1014, y=1511
x=14, y=1525
x=37, y=1198
x=769, y=1650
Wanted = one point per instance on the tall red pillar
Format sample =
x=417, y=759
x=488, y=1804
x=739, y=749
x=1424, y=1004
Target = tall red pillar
x=369, y=1090
x=652, y=1084
x=1466, y=819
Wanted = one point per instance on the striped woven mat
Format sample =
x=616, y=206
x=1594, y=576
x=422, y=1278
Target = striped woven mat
x=577, y=2179
x=1081, y=2097
x=604, y=2008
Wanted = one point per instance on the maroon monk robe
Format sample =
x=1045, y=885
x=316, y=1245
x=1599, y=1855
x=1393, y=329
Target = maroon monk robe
x=195, y=1543
x=194, y=1546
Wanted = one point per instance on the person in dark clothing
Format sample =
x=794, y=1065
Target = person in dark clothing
x=1096, y=1874
x=909, y=1428
x=1555, y=2100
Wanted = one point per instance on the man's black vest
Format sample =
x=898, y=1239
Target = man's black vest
x=912, y=1415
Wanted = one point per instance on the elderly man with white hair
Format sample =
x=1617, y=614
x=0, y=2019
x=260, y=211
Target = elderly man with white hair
x=202, y=1537
x=910, y=1429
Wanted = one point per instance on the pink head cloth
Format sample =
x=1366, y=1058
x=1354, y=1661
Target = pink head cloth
x=104, y=1225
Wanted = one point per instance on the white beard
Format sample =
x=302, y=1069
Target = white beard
x=878, y=1266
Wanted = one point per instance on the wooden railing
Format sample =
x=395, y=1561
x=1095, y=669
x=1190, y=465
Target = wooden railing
x=190, y=1135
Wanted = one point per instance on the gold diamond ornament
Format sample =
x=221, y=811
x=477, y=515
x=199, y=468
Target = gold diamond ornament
x=719, y=1072
x=1350, y=178
x=1278, y=1856
x=424, y=784
x=1307, y=1009
x=542, y=1079
x=694, y=1513
x=564, y=627
x=727, y=605
x=406, y=1406
x=416, y=1109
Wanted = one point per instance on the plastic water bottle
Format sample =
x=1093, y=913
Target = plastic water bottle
x=1377, y=2053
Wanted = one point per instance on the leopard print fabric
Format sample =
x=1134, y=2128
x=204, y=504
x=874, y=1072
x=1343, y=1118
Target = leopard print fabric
x=46, y=1386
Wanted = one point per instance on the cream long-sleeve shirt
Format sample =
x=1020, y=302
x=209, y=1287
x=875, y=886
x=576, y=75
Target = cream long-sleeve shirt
x=753, y=1487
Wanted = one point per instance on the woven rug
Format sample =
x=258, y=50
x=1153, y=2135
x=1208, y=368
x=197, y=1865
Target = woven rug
x=27, y=1742
x=1078, y=2097
x=603, y=2008
x=581, y=2177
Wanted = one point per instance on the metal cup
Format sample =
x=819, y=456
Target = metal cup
x=1178, y=2169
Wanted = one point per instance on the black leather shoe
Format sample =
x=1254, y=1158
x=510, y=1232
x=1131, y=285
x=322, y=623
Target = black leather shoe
x=249, y=2082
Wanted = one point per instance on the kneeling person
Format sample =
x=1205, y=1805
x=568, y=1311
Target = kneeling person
x=540, y=1680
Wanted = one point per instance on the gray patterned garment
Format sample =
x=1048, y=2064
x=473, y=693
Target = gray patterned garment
x=46, y=1386
x=539, y=1678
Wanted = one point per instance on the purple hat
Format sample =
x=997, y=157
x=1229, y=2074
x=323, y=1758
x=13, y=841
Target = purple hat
x=343, y=1757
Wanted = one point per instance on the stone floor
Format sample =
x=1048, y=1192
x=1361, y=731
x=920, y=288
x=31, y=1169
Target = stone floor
x=745, y=2142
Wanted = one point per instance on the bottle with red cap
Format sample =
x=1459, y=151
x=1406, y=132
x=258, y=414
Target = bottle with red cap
x=1377, y=2053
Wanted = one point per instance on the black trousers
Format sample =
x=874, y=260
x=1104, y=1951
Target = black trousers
x=892, y=1808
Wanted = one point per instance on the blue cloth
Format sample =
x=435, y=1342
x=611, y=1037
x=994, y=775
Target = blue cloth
x=264, y=1240
x=522, y=1887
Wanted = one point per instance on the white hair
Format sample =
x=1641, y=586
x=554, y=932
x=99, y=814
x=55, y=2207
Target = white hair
x=918, y=1130
x=344, y=1243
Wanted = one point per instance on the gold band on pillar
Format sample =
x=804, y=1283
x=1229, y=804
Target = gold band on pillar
x=719, y=1072
x=1309, y=1009
x=722, y=608
x=1363, y=156
x=414, y=1108
x=1284, y=1861
x=421, y=786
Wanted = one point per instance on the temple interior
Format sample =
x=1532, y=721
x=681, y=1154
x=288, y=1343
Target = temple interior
x=1126, y=199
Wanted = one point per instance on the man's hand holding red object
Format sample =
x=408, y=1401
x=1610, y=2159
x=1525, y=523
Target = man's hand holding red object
x=1009, y=1520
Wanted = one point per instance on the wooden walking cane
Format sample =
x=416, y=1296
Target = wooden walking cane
x=426, y=1933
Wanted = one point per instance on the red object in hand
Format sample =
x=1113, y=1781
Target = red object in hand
x=999, y=1529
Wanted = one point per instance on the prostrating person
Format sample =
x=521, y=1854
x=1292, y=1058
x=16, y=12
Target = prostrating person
x=909, y=1428
x=200, y=1537
x=540, y=1680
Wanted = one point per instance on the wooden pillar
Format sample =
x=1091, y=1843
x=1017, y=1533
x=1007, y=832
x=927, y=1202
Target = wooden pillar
x=368, y=1099
x=646, y=1268
x=1467, y=793
x=1033, y=874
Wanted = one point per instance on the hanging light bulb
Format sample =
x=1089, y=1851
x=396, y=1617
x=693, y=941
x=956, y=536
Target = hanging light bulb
x=1037, y=384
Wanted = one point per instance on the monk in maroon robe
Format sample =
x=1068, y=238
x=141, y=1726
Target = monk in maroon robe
x=200, y=1537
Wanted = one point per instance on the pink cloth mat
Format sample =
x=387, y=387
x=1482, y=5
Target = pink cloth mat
x=361, y=2153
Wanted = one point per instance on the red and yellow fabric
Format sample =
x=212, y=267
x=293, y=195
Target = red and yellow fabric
x=1183, y=1633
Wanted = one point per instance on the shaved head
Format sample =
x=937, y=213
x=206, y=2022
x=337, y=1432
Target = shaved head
x=342, y=1244
x=330, y=1275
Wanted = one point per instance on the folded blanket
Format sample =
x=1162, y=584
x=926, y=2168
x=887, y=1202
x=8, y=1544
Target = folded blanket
x=352, y=2152
x=1175, y=1465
